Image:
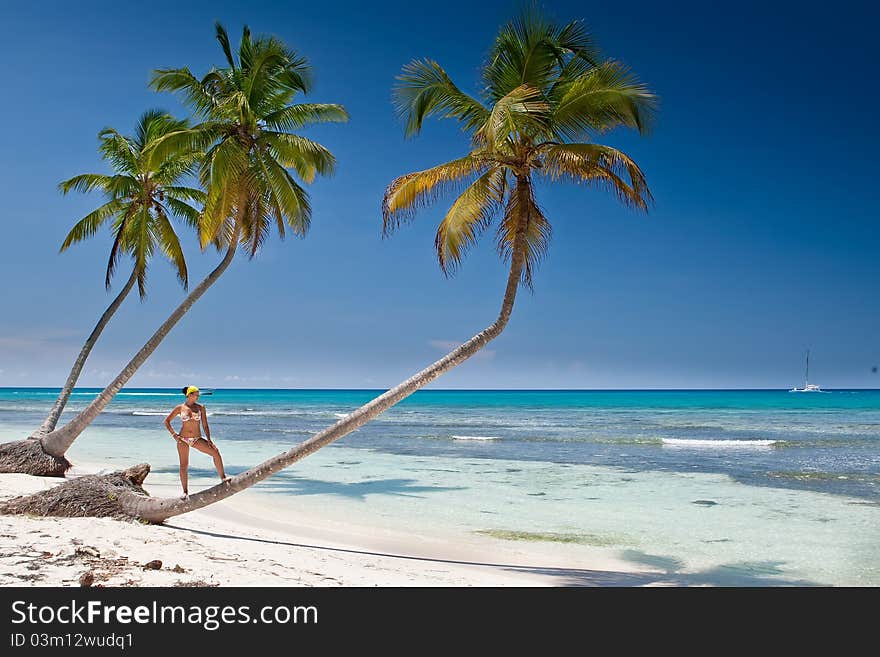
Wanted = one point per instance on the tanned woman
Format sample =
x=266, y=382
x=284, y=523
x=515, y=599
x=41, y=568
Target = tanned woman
x=193, y=416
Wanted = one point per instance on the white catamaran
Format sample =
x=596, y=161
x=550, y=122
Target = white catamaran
x=808, y=387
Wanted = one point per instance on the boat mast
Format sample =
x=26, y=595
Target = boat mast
x=807, y=373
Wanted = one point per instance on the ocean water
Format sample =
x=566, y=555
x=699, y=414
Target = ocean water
x=728, y=487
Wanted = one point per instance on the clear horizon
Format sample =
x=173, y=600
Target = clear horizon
x=436, y=389
x=763, y=241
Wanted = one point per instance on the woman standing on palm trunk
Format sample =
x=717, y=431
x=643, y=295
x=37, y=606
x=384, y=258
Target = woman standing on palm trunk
x=192, y=414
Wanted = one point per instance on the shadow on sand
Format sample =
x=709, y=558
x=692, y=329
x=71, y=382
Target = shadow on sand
x=357, y=490
x=665, y=571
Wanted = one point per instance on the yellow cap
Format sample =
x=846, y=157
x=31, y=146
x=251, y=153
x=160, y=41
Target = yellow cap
x=191, y=390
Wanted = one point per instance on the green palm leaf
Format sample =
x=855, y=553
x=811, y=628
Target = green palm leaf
x=424, y=89
x=294, y=117
x=522, y=111
x=170, y=245
x=303, y=155
x=606, y=97
x=89, y=225
x=471, y=212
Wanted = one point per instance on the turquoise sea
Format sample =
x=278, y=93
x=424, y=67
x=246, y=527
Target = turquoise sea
x=716, y=486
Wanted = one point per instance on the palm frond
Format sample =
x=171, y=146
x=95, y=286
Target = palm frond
x=469, y=215
x=408, y=192
x=576, y=52
x=86, y=182
x=174, y=168
x=424, y=89
x=520, y=111
x=118, y=150
x=596, y=164
x=119, y=230
x=293, y=117
x=523, y=53
x=195, y=139
x=140, y=237
x=181, y=80
x=89, y=225
x=606, y=97
x=222, y=174
x=170, y=245
x=185, y=193
x=223, y=38
x=288, y=197
x=305, y=156
x=150, y=124
x=189, y=214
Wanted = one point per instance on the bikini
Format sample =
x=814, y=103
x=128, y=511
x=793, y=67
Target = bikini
x=193, y=415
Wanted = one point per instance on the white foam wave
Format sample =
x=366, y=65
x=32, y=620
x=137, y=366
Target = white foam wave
x=155, y=413
x=686, y=442
x=133, y=394
x=341, y=416
x=267, y=413
x=475, y=438
x=149, y=394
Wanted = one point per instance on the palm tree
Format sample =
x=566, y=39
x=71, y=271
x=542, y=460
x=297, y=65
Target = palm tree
x=248, y=118
x=547, y=93
x=144, y=189
x=141, y=194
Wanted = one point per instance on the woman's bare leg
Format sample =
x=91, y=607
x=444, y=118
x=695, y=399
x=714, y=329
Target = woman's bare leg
x=183, y=455
x=207, y=448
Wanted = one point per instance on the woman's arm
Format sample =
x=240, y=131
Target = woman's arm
x=174, y=413
x=205, y=423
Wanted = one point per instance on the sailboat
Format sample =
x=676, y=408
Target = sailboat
x=808, y=387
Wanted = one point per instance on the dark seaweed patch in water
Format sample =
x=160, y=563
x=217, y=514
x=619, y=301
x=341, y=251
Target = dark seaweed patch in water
x=599, y=540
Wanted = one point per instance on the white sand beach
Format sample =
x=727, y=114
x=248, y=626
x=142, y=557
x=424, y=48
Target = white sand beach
x=246, y=541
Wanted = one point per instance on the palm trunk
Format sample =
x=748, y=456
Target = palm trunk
x=59, y=441
x=159, y=509
x=52, y=419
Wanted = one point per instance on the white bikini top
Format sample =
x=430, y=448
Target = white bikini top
x=191, y=415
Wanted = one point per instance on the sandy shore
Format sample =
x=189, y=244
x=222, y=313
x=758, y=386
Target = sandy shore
x=248, y=541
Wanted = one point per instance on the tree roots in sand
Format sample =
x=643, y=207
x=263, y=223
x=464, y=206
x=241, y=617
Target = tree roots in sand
x=86, y=496
x=27, y=457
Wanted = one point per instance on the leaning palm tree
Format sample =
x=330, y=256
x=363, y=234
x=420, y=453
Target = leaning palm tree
x=248, y=118
x=547, y=93
x=141, y=194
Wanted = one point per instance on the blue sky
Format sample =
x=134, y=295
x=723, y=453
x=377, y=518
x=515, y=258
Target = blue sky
x=763, y=241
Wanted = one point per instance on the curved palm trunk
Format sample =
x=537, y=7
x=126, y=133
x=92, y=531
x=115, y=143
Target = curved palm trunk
x=159, y=509
x=59, y=441
x=52, y=418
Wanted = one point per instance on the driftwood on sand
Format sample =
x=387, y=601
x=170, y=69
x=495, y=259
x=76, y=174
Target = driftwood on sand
x=86, y=496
